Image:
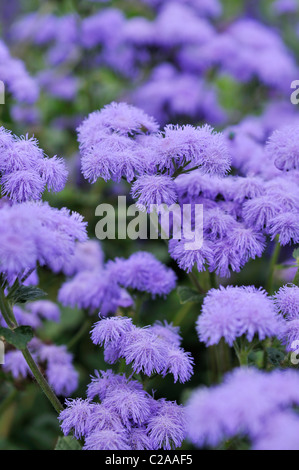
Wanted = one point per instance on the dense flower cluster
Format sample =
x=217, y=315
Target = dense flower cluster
x=25, y=172
x=96, y=286
x=235, y=311
x=149, y=350
x=32, y=233
x=127, y=417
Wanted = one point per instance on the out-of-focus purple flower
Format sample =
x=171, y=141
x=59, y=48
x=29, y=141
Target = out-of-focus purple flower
x=16, y=365
x=87, y=256
x=244, y=404
x=63, y=378
x=143, y=272
x=36, y=233
x=282, y=147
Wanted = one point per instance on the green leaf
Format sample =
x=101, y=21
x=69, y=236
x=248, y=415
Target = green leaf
x=68, y=443
x=25, y=293
x=19, y=337
x=186, y=294
x=275, y=356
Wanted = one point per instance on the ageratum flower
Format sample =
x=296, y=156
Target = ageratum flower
x=107, y=381
x=132, y=405
x=145, y=351
x=139, y=439
x=287, y=301
x=286, y=225
x=107, y=439
x=168, y=332
x=282, y=146
x=16, y=365
x=244, y=404
x=199, y=147
x=289, y=335
x=280, y=433
x=36, y=233
x=235, y=311
x=94, y=290
x=154, y=189
x=44, y=309
x=75, y=417
x=25, y=172
x=166, y=428
x=149, y=350
x=13, y=73
x=87, y=256
x=110, y=330
x=144, y=273
x=186, y=259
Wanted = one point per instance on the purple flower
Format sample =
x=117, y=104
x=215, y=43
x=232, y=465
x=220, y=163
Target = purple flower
x=53, y=173
x=168, y=332
x=22, y=185
x=104, y=382
x=139, y=439
x=283, y=148
x=16, y=365
x=259, y=212
x=93, y=290
x=154, y=189
x=146, y=352
x=87, y=256
x=104, y=418
x=143, y=272
x=132, y=405
x=198, y=147
x=280, y=433
x=44, y=309
x=289, y=334
x=166, y=428
x=63, y=378
x=110, y=330
x=285, y=225
x=287, y=301
x=107, y=439
x=179, y=364
x=25, y=171
x=234, y=311
x=242, y=405
x=75, y=417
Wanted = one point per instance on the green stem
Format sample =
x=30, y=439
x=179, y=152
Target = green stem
x=195, y=283
x=7, y=311
x=42, y=381
x=242, y=354
x=273, y=263
x=9, y=317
